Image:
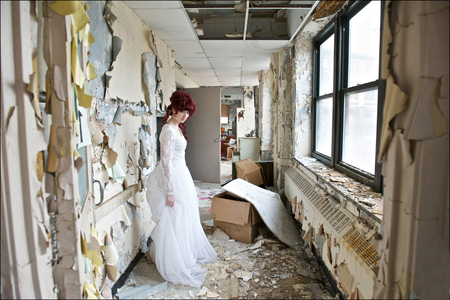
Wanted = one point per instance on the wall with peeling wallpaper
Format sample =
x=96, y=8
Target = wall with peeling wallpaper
x=104, y=76
x=415, y=243
x=139, y=84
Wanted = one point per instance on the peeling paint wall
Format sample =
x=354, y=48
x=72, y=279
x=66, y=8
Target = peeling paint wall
x=341, y=218
x=139, y=85
x=266, y=114
x=285, y=101
x=26, y=249
x=105, y=76
x=303, y=96
x=245, y=122
x=256, y=103
x=415, y=244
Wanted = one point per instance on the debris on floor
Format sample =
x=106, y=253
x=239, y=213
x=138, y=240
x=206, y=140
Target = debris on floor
x=256, y=271
x=266, y=268
x=350, y=187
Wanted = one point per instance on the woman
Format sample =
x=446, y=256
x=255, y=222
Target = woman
x=179, y=243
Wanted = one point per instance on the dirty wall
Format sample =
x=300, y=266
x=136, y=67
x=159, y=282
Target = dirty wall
x=395, y=244
x=282, y=66
x=266, y=114
x=26, y=248
x=415, y=242
x=84, y=129
x=138, y=86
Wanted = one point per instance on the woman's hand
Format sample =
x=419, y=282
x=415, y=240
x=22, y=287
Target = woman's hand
x=170, y=200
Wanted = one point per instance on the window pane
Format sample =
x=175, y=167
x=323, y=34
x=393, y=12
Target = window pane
x=326, y=62
x=360, y=130
x=324, y=118
x=364, y=45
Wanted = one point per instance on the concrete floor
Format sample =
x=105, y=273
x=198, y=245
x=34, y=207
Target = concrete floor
x=268, y=270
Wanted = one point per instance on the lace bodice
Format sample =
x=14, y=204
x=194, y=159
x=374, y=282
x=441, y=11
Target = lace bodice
x=173, y=146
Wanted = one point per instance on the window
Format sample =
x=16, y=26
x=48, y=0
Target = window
x=348, y=94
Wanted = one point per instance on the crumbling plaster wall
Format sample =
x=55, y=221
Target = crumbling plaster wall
x=266, y=114
x=139, y=84
x=303, y=95
x=285, y=99
x=26, y=251
x=119, y=80
x=415, y=62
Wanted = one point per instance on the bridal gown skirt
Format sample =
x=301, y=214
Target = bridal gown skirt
x=179, y=243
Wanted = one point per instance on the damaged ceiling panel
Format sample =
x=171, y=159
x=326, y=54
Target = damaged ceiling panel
x=200, y=32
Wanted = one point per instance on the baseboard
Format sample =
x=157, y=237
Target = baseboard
x=119, y=282
x=327, y=273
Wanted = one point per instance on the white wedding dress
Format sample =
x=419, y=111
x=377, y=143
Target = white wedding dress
x=179, y=243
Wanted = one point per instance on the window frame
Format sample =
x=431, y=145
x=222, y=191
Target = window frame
x=339, y=26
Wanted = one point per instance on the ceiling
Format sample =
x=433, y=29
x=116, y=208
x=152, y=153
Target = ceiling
x=208, y=40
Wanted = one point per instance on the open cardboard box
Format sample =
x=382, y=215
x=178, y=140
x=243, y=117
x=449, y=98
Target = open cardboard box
x=250, y=171
x=236, y=217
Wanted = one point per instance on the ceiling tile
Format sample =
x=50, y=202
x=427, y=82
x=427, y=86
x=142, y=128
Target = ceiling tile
x=168, y=24
x=153, y=4
x=250, y=73
x=208, y=82
x=231, y=83
x=255, y=63
x=228, y=71
x=250, y=80
x=226, y=62
x=200, y=78
x=194, y=63
x=228, y=78
x=222, y=48
x=186, y=48
x=258, y=47
x=201, y=72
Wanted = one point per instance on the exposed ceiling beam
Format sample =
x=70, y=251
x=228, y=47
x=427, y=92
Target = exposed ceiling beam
x=261, y=6
x=245, y=36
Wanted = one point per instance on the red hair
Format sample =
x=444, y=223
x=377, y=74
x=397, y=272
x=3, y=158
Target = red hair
x=180, y=101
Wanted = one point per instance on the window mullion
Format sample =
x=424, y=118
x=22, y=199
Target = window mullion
x=378, y=179
x=338, y=84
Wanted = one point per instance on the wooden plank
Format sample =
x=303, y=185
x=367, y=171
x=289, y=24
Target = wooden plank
x=112, y=203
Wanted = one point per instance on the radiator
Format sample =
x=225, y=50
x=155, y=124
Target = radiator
x=320, y=209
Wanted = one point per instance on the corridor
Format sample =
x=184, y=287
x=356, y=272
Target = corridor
x=338, y=108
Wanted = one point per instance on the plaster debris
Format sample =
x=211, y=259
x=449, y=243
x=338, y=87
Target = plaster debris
x=202, y=291
x=350, y=187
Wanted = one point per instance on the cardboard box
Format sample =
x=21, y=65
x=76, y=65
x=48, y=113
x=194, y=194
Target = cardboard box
x=248, y=170
x=236, y=217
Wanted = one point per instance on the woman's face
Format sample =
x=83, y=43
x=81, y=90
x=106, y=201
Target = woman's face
x=180, y=116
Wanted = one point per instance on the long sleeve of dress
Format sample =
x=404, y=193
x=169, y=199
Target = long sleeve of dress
x=167, y=149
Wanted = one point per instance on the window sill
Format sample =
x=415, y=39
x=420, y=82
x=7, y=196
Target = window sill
x=367, y=202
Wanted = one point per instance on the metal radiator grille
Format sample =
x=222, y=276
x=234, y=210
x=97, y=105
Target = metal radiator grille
x=362, y=247
x=336, y=218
